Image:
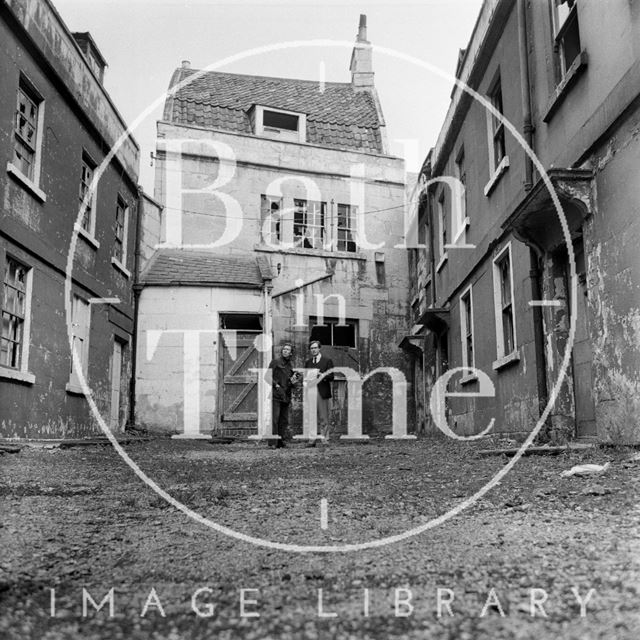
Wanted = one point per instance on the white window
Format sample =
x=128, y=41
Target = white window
x=566, y=33
x=16, y=314
x=496, y=127
x=503, y=299
x=279, y=124
x=121, y=233
x=345, y=228
x=271, y=223
x=466, y=329
x=87, y=207
x=80, y=327
x=309, y=224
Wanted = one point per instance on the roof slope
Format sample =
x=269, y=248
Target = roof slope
x=170, y=267
x=338, y=116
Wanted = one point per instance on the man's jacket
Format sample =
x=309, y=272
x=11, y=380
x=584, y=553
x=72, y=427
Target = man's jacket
x=324, y=386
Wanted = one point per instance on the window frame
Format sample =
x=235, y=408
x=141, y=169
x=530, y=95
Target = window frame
x=83, y=321
x=349, y=229
x=84, y=185
x=301, y=208
x=467, y=333
x=120, y=262
x=21, y=372
x=561, y=28
x=31, y=179
x=279, y=224
x=496, y=129
x=500, y=306
x=331, y=323
x=277, y=133
x=443, y=254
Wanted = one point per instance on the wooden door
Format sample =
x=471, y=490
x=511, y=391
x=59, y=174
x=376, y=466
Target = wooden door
x=238, y=392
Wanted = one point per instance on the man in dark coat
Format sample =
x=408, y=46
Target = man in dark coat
x=283, y=378
x=322, y=364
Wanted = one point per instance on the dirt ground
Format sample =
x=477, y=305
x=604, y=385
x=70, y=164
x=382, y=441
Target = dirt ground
x=77, y=523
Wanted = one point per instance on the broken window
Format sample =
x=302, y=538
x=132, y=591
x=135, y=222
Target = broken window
x=121, y=224
x=270, y=219
x=86, y=176
x=566, y=33
x=332, y=333
x=345, y=227
x=15, y=304
x=27, y=134
x=309, y=224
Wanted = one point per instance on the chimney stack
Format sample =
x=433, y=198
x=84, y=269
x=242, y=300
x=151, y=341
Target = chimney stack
x=361, y=66
x=186, y=64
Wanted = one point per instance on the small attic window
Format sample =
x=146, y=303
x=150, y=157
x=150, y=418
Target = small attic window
x=279, y=124
x=279, y=120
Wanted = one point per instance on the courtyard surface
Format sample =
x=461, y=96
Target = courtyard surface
x=536, y=556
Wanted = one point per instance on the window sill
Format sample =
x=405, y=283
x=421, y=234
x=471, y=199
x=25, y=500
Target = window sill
x=506, y=361
x=87, y=237
x=468, y=379
x=30, y=186
x=20, y=376
x=442, y=262
x=497, y=174
x=570, y=77
x=75, y=389
x=120, y=267
x=321, y=253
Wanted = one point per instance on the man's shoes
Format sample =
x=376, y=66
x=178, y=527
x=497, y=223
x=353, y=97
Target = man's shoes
x=281, y=445
x=310, y=445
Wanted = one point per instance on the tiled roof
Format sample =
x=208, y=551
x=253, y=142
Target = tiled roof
x=336, y=117
x=201, y=268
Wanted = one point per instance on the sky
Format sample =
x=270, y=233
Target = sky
x=143, y=41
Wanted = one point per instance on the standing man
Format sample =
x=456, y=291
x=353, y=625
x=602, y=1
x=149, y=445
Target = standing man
x=283, y=379
x=322, y=364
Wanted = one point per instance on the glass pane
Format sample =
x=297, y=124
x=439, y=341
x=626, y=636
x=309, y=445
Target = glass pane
x=344, y=336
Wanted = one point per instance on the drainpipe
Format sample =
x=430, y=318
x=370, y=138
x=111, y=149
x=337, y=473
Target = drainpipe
x=527, y=126
x=535, y=274
x=136, y=302
x=264, y=398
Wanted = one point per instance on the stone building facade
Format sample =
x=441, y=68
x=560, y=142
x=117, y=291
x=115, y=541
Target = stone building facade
x=57, y=124
x=288, y=185
x=536, y=293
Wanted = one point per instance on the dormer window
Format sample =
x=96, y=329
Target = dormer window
x=279, y=124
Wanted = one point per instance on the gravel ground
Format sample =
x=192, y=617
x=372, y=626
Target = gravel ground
x=80, y=519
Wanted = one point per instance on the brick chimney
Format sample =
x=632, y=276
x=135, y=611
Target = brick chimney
x=361, y=66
